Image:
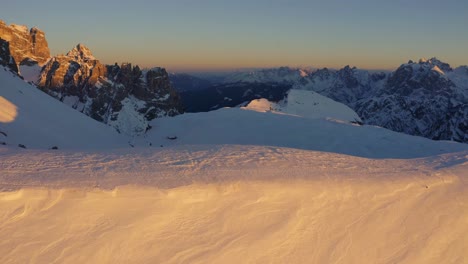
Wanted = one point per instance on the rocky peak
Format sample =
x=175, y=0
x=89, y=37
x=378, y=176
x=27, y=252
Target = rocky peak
x=122, y=96
x=347, y=75
x=76, y=69
x=434, y=62
x=25, y=45
x=323, y=74
x=81, y=52
x=426, y=74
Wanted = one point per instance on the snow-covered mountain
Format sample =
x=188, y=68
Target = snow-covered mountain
x=421, y=99
x=426, y=98
x=30, y=118
x=123, y=97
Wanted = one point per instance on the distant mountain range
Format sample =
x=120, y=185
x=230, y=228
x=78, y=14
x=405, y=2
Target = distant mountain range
x=426, y=98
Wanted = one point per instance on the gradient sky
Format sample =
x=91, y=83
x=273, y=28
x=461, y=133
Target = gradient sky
x=206, y=35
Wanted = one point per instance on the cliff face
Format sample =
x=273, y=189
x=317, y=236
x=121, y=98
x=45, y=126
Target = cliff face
x=124, y=97
x=27, y=46
x=5, y=56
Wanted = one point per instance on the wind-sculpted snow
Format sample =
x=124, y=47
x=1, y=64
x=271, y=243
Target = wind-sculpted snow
x=230, y=204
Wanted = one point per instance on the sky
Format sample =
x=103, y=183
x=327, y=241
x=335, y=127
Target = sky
x=210, y=35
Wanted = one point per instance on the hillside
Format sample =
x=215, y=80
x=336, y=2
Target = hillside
x=36, y=120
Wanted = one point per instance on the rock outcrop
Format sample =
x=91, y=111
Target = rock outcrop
x=123, y=96
x=5, y=56
x=27, y=46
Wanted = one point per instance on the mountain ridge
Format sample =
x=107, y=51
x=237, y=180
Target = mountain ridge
x=122, y=96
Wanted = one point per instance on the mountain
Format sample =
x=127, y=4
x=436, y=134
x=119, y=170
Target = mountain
x=124, y=96
x=426, y=98
x=421, y=99
x=27, y=47
x=279, y=75
x=32, y=119
x=184, y=82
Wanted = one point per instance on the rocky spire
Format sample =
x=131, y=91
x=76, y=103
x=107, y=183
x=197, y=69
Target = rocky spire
x=81, y=52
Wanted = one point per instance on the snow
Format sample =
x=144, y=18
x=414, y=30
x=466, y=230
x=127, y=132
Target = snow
x=230, y=204
x=236, y=126
x=30, y=73
x=129, y=120
x=36, y=120
x=437, y=69
x=236, y=186
x=306, y=104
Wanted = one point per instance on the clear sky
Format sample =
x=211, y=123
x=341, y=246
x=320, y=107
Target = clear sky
x=187, y=35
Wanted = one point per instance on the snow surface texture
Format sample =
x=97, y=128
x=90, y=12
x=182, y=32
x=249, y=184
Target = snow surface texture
x=231, y=204
x=32, y=118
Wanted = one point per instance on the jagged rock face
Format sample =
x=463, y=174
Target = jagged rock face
x=346, y=85
x=26, y=45
x=5, y=56
x=408, y=78
x=75, y=70
x=420, y=99
x=122, y=96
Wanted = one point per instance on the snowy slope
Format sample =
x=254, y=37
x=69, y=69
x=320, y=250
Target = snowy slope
x=230, y=204
x=307, y=104
x=246, y=127
x=36, y=120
